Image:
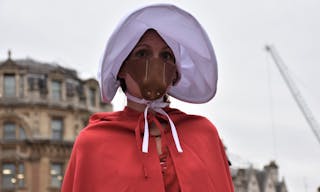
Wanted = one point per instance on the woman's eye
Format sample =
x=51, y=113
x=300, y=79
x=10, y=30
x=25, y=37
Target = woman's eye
x=141, y=53
x=167, y=56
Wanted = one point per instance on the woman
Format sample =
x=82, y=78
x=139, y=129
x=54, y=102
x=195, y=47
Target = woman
x=156, y=51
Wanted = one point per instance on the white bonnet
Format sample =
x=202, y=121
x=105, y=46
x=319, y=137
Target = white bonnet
x=191, y=46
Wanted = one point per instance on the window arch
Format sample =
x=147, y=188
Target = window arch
x=13, y=127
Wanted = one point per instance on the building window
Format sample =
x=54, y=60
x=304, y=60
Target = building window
x=21, y=86
x=12, y=131
x=9, y=85
x=38, y=82
x=33, y=82
x=42, y=82
x=92, y=96
x=56, y=127
x=56, y=175
x=8, y=175
x=9, y=131
x=56, y=91
x=80, y=91
x=12, y=176
x=22, y=134
x=71, y=87
x=20, y=175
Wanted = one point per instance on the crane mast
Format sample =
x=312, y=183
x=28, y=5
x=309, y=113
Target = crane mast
x=295, y=92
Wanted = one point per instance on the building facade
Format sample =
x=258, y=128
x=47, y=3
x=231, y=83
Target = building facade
x=254, y=180
x=42, y=109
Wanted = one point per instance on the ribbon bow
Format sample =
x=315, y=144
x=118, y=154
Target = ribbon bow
x=157, y=106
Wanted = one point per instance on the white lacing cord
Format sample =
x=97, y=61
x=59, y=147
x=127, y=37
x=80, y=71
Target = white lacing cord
x=157, y=106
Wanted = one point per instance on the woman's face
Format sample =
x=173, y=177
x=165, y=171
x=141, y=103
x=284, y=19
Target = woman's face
x=150, y=58
x=151, y=45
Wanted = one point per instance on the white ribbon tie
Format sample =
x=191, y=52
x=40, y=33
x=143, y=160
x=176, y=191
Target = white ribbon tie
x=157, y=106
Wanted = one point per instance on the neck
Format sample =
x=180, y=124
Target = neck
x=136, y=106
x=140, y=105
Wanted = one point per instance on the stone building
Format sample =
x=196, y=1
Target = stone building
x=254, y=180
x=42, y=109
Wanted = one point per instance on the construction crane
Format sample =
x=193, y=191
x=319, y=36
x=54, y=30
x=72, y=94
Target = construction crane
x=307, y=113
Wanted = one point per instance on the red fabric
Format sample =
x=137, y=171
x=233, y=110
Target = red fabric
x=170, y=179
x=107, y=156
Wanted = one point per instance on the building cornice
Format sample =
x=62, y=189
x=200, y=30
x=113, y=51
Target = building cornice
x=35, y=149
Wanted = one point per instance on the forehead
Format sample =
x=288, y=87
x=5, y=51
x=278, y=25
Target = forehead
x=151, y=36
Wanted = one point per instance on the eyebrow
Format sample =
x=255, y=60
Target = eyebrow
x=142, y=45
x=147, y=45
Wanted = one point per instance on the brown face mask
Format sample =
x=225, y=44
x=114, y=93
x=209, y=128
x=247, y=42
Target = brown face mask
x=153, y=76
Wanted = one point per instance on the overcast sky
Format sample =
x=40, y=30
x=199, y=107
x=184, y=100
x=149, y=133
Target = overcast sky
x=253, y=110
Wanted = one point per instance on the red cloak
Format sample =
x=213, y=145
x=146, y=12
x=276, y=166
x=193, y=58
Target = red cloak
x=107, y=156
